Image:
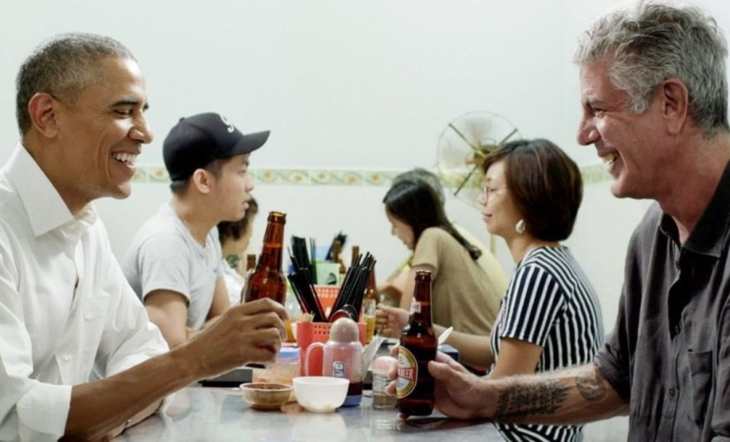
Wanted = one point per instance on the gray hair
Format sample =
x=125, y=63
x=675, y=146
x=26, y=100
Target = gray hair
x=62, y=67
x=428, y=177
x=655, y=42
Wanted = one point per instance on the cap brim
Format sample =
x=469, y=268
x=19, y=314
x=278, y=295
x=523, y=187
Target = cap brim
x=250, y=142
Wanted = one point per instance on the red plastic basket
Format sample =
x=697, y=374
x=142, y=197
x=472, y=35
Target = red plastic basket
x=309, y=332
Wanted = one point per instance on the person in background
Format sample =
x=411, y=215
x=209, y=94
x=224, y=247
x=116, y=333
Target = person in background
x=468, y=282
x=550, y=317
x=66, y=310
x=395, y=284
x=654, y=97
x=174, y=262
x=234, y=237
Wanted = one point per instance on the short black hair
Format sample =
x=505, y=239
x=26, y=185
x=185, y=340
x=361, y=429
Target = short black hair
x=215, y=167
x=63, y=67
x=545, y=184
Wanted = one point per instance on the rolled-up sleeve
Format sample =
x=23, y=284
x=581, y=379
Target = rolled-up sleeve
x=613, y=359
x=29, y=410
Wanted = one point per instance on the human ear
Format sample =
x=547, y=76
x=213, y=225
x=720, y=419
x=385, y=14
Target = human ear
x=42, y=111
x=675, y=104
x=202, y=181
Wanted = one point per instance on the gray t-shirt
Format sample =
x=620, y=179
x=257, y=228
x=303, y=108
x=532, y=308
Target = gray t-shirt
x=165, y=256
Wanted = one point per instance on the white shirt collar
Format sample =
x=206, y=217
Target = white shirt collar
x=44, y=206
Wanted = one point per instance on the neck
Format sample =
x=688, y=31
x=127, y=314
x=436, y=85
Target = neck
x=520, y=244
x=197, y=220
x=687, y=195
x=56, y=173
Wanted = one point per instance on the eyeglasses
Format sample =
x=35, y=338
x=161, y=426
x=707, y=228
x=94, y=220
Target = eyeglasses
x=486, y=190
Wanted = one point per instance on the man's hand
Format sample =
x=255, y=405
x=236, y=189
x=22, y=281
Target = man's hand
x=458, y=393
x=391, y=320
x=250, y=332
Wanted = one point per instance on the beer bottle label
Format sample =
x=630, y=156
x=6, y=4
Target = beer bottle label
x=407, y=373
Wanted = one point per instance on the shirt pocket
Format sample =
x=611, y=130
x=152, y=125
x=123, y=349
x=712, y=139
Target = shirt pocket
x=700, y=373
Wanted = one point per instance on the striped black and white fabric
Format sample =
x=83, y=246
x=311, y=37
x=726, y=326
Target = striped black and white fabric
x=550, y=303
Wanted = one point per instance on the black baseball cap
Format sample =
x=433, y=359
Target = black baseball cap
x=196, y=141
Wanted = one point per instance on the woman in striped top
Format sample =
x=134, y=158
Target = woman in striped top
x=550, y=317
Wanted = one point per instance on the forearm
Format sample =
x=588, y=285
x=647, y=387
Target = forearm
x=571, y=396
x=474, y=350
x=97, y=408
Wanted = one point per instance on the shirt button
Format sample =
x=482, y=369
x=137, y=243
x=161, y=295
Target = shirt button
x=88, y=316
x=66, y=357
x=672, y=392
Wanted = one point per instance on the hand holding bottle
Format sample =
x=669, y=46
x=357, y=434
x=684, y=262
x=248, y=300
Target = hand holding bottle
x=250, y=332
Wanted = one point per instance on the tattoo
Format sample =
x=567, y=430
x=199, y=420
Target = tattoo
x=590, y=385
x=544, y=398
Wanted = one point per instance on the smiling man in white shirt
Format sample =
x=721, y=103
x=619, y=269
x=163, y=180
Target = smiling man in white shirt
x=66, y=310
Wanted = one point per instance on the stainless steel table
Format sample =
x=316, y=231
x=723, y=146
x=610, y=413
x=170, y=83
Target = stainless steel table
x=213, y=414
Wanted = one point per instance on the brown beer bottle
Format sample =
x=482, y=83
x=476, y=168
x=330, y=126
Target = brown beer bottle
x=250, y=268
x=415, y=385
x=268, y=280
x=250, y=262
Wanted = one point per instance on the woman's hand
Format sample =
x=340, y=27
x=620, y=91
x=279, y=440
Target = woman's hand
x=391, y=320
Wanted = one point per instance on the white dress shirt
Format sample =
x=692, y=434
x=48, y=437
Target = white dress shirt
x=66, y=310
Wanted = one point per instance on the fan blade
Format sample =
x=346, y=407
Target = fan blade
x=466, y=179
x=504, y=140
x=461, y=135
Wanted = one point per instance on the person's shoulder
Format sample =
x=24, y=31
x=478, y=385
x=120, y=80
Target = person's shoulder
x=549, y=260
x=158, y=237
x=14, y=221
x=648, y=226
x=652, y=217
x=433, y=231
x=162, y=226
x=437, y=238
x=473, y=240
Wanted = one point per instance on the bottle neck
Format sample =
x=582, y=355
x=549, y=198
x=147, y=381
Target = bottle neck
x=422, y=303
x=273, y=246
x=250, y=263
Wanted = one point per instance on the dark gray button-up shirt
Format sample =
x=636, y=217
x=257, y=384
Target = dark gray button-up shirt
x=669, y=354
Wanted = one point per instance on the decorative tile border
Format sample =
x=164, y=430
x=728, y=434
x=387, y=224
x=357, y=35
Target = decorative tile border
x=336, y=177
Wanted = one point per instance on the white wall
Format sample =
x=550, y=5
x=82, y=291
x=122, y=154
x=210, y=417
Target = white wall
x=353, y=85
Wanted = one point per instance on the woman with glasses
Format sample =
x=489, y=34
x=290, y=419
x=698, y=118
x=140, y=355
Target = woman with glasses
x=550, y=317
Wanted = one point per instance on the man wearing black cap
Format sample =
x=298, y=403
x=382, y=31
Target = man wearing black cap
x=175, y=262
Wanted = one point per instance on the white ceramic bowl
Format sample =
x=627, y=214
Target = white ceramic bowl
x=320, y=394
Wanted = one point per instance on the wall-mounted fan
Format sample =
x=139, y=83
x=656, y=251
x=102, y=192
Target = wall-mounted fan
x=463, y=145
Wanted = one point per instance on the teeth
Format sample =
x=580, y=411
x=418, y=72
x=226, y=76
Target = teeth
x=126, y=158
x=608, y=160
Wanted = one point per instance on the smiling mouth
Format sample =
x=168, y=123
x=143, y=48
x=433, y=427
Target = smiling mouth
x=609, y=160
x=128, y=159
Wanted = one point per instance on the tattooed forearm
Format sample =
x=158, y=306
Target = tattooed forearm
x=590, y=385
x=544, y=398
